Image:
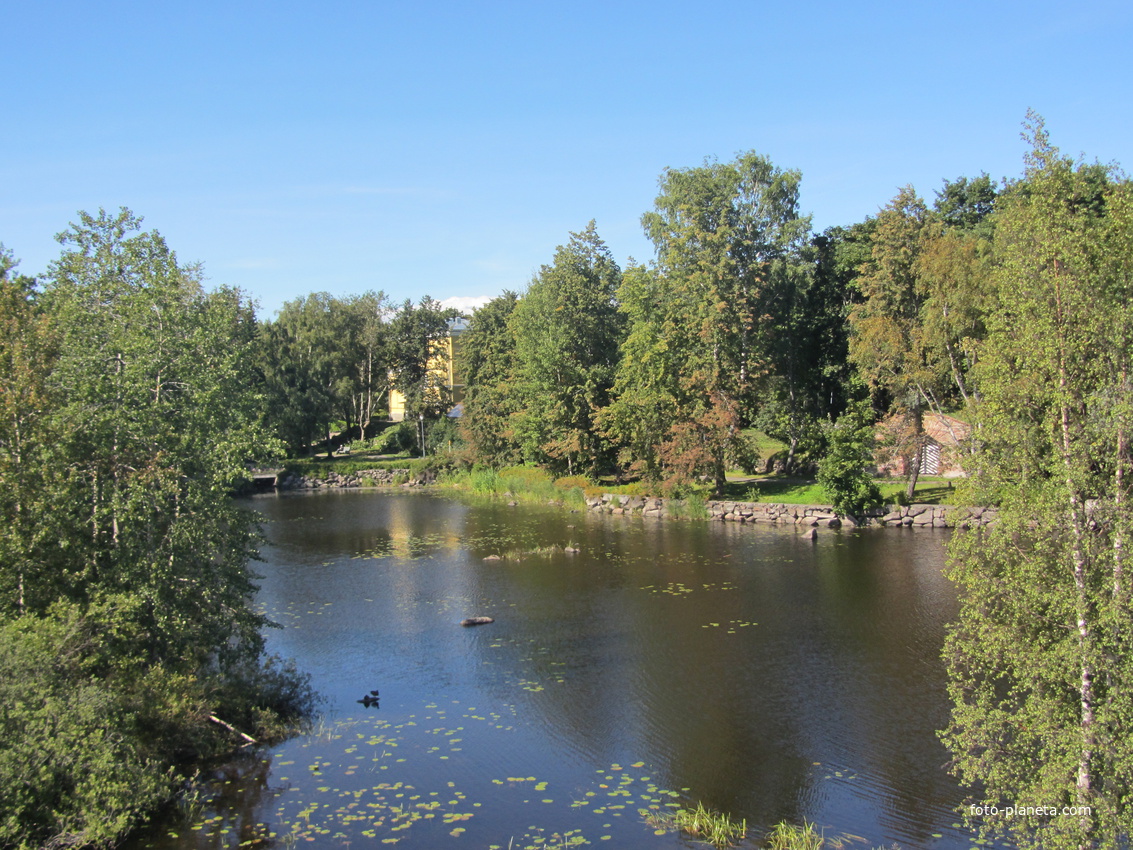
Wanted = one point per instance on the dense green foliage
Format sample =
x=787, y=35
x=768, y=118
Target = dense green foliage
x=566, y=330
x=487, y=356
x=923, y=288
x=1041, y=662
x=132, y=402
x=325, y=359
x=417, y=358
x=729, y=239
x=125, y=593
x=843, y=471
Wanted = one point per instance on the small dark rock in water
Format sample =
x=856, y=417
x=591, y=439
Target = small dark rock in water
x=477, y=621
x=369, y=701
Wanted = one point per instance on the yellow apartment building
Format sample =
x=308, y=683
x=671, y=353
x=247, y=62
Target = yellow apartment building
x=444, y=368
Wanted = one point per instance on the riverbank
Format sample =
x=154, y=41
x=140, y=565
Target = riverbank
x=524, y=484
x=812, y=516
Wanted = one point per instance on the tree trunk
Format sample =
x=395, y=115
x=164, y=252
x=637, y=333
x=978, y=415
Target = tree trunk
x=915, y=472
x=1076, y=516
x=789, y=465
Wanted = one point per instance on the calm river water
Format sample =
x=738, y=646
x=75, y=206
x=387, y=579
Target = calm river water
x=766, y=675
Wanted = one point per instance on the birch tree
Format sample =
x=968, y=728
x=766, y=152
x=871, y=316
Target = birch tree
x=1041, y=667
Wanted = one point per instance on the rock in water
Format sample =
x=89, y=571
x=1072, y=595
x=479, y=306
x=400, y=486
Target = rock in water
x=477, y=621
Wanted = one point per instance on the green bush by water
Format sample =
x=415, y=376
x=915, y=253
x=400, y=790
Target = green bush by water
x=692, y=506
x=89, y=740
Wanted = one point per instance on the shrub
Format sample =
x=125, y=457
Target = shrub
x=89, y=736
x=692, y=506
x=73, y=768
x=842, y=473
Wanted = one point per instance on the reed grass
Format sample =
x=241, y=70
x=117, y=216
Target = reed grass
x=702, y=823
x=788, y=836
x=692, y=506
x=522, y=483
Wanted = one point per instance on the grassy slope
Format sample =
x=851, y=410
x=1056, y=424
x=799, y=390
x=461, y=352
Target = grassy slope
x=528, y=483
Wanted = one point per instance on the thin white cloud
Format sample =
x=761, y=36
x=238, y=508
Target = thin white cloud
x=466, y=303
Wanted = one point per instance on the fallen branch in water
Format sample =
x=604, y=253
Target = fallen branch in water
x=232, y=729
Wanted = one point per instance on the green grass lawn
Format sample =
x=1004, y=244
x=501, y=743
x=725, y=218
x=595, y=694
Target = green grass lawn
x=802, y=491
x=741, y=488
x=348, y=464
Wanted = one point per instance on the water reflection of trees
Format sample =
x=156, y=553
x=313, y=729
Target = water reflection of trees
x=609, y=653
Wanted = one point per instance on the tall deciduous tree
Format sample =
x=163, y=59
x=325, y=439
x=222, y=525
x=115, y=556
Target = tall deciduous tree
x=29, y=482
x=487, y=362
x=419, y=357
x=728, y=239
x=370, y=355
x=648, y=392
x=887, y=342
x=954, y=277
x=157, y=422
x=127, y=414
x=1041, y=662
x=567, y=329
x=310, y=355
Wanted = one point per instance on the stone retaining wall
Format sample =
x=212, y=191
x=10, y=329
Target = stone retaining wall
x=915, y=516
x=820, y=516
x=362, y=478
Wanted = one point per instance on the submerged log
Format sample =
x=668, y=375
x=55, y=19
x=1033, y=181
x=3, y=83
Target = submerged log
x=477, y=621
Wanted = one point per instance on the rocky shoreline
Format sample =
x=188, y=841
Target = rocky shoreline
x=813, y=516
x=807, y=516
x=362, y=478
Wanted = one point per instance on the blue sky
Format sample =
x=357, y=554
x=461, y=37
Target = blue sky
x=447, y=148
